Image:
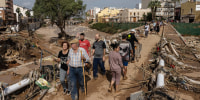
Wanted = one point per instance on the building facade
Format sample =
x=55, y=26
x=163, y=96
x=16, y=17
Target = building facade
x=23, y=11
x=108, y=15
x=190, y=11
x=92, y=13
x=166, y=10
x=145, y=4
x=6, y=12
x=132, y=15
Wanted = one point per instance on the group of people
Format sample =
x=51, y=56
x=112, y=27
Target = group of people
x=152, y=27
x=120, y=57
x=79, y=50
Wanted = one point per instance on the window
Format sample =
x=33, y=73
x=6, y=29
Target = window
x=134, y=13
x=138, y=13
x=191, y=10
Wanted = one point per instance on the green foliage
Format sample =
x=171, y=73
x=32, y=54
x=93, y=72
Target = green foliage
x=28, y=14
x=149, y=16
x=90, y=22
x=18, y=10
x=113, y=28
x=58, y=10
x=187, y=28
x=154, y=5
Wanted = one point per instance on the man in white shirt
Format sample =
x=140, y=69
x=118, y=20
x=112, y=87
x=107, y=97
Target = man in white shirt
x=146, y=29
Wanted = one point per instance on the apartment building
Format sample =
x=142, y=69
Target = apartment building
x=107, y=15
x=190, y=11
x=23, y=11
x=145, y=3
x=132, y=15
x=6, y=12
x=166, y=10
x=92, y=13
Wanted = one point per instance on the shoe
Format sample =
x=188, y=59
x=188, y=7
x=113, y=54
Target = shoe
x=89, y=73
x=125, y=78
x=110, y=89
x=68, y=92
x=132, y=61
x=64, y=91
x=95, y=78
x=117, y=91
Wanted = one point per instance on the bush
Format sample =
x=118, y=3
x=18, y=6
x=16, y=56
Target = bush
x=187, y=28
x=113, y=28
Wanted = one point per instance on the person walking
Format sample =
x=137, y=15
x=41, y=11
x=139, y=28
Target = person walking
x=115, y=62
x=64, y=68
x=85, y=44
x=151, y=28
x=98, y=51
x=157, y=27
x=146, y=29
x=125, y=50
x=75, y=57
x=132, y=39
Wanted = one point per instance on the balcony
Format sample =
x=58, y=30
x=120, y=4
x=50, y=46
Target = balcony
x=9, y=10
x=9, y=3
x=10, y=15
x=10, y=18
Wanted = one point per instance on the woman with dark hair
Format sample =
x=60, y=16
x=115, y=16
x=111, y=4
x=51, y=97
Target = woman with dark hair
x=64, y=69
x=115, y=62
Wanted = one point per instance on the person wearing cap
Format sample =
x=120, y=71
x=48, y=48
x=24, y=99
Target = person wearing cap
x=85, y=44
x=125, y=50
x=131, y=38
x=75, y=57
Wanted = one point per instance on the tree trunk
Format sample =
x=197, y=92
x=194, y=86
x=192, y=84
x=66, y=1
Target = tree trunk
x=152, y=13
x=62, y=32
x=155, y=12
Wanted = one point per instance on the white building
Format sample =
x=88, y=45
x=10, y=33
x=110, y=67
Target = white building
x=22, y=11
x=139, y=6
x=96, y=10
x=132, y=15
x=166, y=10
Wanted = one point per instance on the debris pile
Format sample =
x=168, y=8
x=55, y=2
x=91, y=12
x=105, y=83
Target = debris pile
x=16, y=50
x=169, y=70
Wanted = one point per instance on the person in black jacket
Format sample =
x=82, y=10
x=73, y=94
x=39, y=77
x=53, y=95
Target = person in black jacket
x=64, y=69
x=131, y=38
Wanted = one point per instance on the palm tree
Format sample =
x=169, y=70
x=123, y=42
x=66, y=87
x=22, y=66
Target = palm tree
x=28, y=14
x=18, y=11
x=154, y=5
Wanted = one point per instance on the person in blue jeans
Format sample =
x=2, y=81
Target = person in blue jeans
x=99, y=51
x=75, y=57
x=64, y=71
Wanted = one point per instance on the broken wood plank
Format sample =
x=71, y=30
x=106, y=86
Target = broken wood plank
x=173, y=49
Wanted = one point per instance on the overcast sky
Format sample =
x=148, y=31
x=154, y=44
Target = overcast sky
x=90, y=3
